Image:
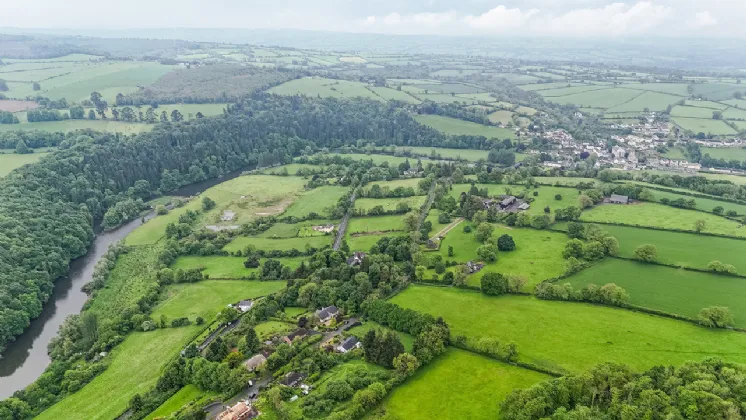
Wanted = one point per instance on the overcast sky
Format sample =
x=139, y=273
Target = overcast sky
x=449, y=17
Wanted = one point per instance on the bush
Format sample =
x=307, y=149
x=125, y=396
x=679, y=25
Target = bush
x=646, y=253
x=207, y=204
x=444, y=218
x=716, y=317
x=488, y=253
x=161, y=210
x=558, y=197
x=494, y=284
x=467, y=229
x=719, y=267
x=505, y=243
x=536, y=193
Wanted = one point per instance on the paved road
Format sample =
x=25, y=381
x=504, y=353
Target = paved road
x=428, y=204
x=448, y=228
x=343, y=226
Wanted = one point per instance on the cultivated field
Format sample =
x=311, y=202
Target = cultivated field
x=573, y=336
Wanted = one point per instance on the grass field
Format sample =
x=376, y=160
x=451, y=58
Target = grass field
x=363, y=243
x=11, y=161
x=671, y=290
x=537, y=257
x=458, y=384
x=394, y=95
x=270, y=328
x=661, y=216
x=317, y=200
x=185, y=395
x=389, y=203
x=326, y=88
x=248, y=196
x=501, y=116
x=654, y=101
x=377, y=159
x=288, y=230
x=727, y=153
x=545, y=198
x=702, y=125
x=458, y=127
x=376, y=224
x=268, y=244
x=406, y=182
x=135, y=368
x=598, y=98
x=359, y=332
x=467, y=154
x=207, y=298
x=224, y=267
x=72, y=125
x=705, y=204
x=684, y=249
x=692, y=112
x=573, y=336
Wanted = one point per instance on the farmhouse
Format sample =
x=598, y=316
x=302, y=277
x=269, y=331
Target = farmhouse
x=618, y=199
x=292, y=379
x=255, y=362
x=356, y=258
x=241, y=411
x=298, y=334
x=350, y=344
x=326, y=315
x=324, y=228
x=245, y=305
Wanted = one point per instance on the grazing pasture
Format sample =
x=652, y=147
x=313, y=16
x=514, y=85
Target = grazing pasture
x=727, y=153
x=466, y=154
x=376, y=224
x=702, y=125
x=376, y=159
x=317, y=200
x=598, y=98
x=293, y=230
x=363, y=242
x=662, y=216
x=692, y=112
x=184, y=396
x=72, y=125
x=682, y=249
x=672, y=290
x=269, y=244
x=11, y=161
x=458, y=127
x=389, y=203
x=361, y=330
x=653, y=101
x=225, y=267
x=458, y=384
x=573, y=336
x=326, y=88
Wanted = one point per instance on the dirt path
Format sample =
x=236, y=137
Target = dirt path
x=448, y=228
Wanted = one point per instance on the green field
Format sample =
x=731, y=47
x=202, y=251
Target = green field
x=185, y=395
x=671, y=290
x=359, y=331
x=598, y=98
x=394, y=95
x=325, y=88
x=545, y=198
x=135, y=367
x=458, y=385
x=683, y=249
x=467, y=154
x=661, y=216
x=269, y=244
x=702, y=125
x=389, y=203
x=376, y=159
x=727, y=153
x=268, y=329
x=501, y=116
x=691, y=112
x=224, y=267
x=573, y=336
x=705, y=204
x=376, y=224
x=207, y=298
x=317, y=200
x=292, y=230
x=11, y=161
x=406, y=182
x=537, y=257
x=72, y=125
x=363, y=243
x=458, y=127
x=653, y=101
x=249, y=196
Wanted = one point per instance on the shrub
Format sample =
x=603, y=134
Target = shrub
x=558, y=197
x=467, y=229
x=444, y=218
x=505, y=243
x=494, y=284
x=207, y=204
x=536, y=193
x=161, y=210
x=718, y=210
x=646, y=253
x=488, y=253
x=731, y=213
x=719, y=267
x=716, y=317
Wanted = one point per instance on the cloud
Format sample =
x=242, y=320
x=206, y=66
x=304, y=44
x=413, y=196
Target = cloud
x=426, y=20
x=500, y=19
x=612, y=20
x=702, y=20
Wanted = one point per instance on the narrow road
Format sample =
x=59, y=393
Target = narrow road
x=448, y=228
x=342, y=229
x=426, y=208
x=344, y=327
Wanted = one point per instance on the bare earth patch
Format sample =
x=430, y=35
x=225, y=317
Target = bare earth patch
x=16, y=106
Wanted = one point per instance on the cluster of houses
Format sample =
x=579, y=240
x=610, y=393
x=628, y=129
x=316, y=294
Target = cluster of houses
x=508, y=203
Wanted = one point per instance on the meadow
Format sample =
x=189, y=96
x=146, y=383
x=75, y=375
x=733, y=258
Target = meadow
x=72, y=125
x=458, y=384
x=597, y=98
x=325, y=88
x=414, y=202
x=705, y=204
x=376, y=224
x=269, y=244
x=702, y=125
x=727, y=153
x=672, y=290
x=224, y=267
x=293, y=230
x=11, y=161
x=573, y=336
x=184, y=396
x=360, y=331
x=682, y=249
x=376, y=159
x=364, y=242
x=466, y=154
x=207, y=298
x=317, y=200
x=458, y=127
x=663, y=217
x=395, y=183
x=537, y=256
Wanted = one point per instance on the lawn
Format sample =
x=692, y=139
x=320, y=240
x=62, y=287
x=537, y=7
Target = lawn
x=458, y=127
x=661, y=216
x=703, y=125
x=224, y=267
x=135, y=367
x=458, y=384
x=325, y=88
x=683, y=249
x=207, y=298
x=376, y=224
x=389, y=203
x=317, y=200
x=360, y=331
x=268, y=329
x=184, y=396
x=537, y=257
x=363, y=243
x=11, y=161
x=671, y=290
x=574, y=336
x=269, y=244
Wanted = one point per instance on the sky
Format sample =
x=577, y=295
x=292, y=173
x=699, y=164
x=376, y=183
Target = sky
x=543, y=18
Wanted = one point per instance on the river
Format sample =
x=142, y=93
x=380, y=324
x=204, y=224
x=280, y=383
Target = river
x=26, y=358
